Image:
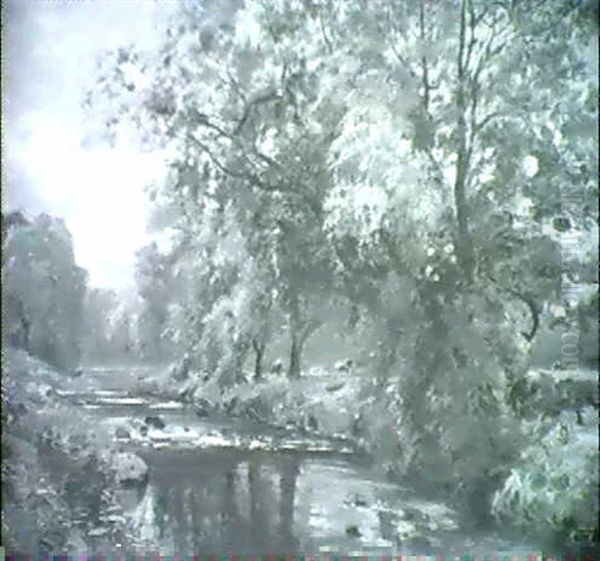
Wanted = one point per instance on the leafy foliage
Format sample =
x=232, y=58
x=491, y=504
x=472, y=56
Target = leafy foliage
x=553, y=485
x=414, y=161
x=43, y=290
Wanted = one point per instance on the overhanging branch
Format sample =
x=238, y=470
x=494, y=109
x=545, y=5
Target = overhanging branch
x=528, y=300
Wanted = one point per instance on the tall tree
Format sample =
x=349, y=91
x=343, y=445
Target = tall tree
x=153, y=280
x=99, y=305
x=454, y=116
x=242, y=153
x=411, y=155
x=44, y=288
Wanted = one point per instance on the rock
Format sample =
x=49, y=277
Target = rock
x=358, y=501
x=419, y=542
x=251, y=412
x=180, y=370
x=19, y=410
x=231, y=405
x=334, y=387
x=358, y=425
x=256, y=409
x=155, y=421
x=203, y=407
x=130, y=470
x=311, y=423
x=411, y=514
x=277, y=367
x=149, y=386
x=353, y=531
x=122, y=433
x=344, y=365
x=187, y=392
x=98, y=532
x=75, y=541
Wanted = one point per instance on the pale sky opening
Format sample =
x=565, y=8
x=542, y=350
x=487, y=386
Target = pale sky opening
x=50, y=165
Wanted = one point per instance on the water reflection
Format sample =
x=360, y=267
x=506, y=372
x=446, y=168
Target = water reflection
x=217, y=502
x=254, y=501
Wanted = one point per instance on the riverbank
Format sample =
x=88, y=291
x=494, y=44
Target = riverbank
x=236, y=450
x=58, y=476
x=546, y=490
x=320, y=404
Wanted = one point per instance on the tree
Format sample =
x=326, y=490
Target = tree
x=410, y=158
x=451, y=124
x=241, y=148
x=153, y=279
x=99, y=305
x=44, y=289
x=122, y=335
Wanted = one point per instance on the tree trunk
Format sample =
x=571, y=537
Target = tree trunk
x=464, y=242
x=301, y=328
x=295, y=328
x=259, y=351
x=295, y=356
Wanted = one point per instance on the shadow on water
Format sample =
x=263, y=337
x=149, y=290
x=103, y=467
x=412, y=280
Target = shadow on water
x=217, y=502
x=259, y=502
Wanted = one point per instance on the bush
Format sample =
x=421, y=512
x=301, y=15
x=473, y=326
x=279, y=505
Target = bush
x=553, y=489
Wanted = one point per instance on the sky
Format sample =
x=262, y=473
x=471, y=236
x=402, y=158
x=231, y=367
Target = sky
x=50, y=49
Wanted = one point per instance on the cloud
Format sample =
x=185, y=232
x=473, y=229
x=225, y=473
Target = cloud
x=99, y=191
x=51, y=53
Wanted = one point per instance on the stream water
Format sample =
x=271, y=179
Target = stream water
x=229, y=486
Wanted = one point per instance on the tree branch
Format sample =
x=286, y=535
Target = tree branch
x=245, y=175
x=265, y=98
x=472, y=41
x=312, y=326
x=424, y=68
x=482, y=124
x=325, y=38
x=533, y=309
x=465, y=246
x=202, y=119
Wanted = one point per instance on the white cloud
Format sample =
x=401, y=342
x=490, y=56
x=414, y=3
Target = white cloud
x=99, y=191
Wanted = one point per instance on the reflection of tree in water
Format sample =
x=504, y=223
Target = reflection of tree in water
x=226, y=504
x=148, y=524
x=289, y=471
x=160, y=507
x=258, y=516
x=230, y=517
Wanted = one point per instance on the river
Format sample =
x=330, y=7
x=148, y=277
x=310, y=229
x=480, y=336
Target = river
x=217, y=485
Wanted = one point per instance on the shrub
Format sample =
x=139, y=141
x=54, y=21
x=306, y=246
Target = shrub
x=553, y=489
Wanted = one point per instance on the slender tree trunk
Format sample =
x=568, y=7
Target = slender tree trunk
x=295, y=356
x=296, y=345
x=424, y=68
x=465, y=244
x=25, y=326
x=259, y=351
x=300, y=329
